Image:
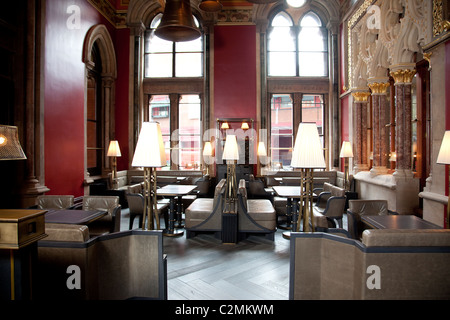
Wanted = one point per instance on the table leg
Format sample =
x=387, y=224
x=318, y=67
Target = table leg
x=179, y=213
x=287, y=225
x=170, y=230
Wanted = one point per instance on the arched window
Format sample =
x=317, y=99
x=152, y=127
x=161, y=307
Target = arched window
x=297, y=63
x=297, y=50
x=167, y=59
x=178, y=107
x=312, y=47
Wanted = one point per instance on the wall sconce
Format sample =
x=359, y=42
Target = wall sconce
x=114, y=152
x=225, y=126
x=150, y=154
x=245, y=126
x=393, y=156
x=10, y=148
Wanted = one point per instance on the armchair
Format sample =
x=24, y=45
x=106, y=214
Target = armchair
x=325, y=213
x=358, y=208
x=256, y=190
x=55, y=202
x=136, y=203
x=109, y=223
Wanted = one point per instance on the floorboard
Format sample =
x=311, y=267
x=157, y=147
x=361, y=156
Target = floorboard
x=202, y=268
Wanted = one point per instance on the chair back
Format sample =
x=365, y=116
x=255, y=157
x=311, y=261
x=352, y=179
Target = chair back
x=55, y=202
x=104, y=203
x=135, y=203
x=242, y=195
x=219, y=190
x=368, y=207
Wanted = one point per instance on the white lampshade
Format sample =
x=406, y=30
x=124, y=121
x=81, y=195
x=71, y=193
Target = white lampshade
x=207, y=149
x=444, y=152
x=114, y=149
x=346, y=150
x=231, y=151
x=150, y=147
x=262, y=152
x=308, y=151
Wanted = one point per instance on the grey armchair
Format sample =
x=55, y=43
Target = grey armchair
x=358, y=208
x=109, y=223
x=136, y=203
x=326, y=213
x=55, y=202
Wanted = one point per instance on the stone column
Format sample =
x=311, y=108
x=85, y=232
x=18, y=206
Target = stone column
x=360, y=139
x=403, y=75
x=379, y=131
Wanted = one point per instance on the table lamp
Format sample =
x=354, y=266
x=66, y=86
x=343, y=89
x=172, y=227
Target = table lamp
x=231, y=155
x=150, y=154
x=114, y=152
x=10, y=148
x=207, y=152
x=444, y=158
x=346, y=153
x=307, y=156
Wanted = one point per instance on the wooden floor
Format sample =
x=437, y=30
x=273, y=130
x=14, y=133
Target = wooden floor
x=202, y=268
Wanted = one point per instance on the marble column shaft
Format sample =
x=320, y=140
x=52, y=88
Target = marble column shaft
x=379, y=105
x=403, y=127
x=360, y=143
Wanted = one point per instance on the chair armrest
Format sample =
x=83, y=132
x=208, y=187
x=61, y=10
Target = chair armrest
x=322, y=198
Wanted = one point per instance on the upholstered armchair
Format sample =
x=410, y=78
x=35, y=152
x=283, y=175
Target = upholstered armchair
x=326, y=213
x=256, y=190
x=136, y=203
x=358, y=208
x=55, y=202
x=109, y=223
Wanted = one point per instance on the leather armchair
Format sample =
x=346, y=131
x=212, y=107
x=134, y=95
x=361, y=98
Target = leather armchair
x=256, y=190
x=326, y=213
x=358, y=208
x=109, y=223
x=55, y=202
x=136, y=203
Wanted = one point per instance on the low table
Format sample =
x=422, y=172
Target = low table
x=397, y=222
x=73, y=216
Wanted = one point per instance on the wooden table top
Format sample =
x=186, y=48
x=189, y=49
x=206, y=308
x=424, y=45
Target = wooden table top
x=398, y=222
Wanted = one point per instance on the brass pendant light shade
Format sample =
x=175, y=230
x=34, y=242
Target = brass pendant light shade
x=210, y=5
x=177, y=23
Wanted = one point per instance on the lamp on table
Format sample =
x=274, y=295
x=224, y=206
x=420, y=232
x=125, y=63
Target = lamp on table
x=444, y=158
x=114, y=152
x=307, y=156
x=346, y=153
x=150, y=154
x=231, y=155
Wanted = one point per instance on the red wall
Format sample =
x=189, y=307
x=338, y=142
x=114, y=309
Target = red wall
x=235, y=72
x=64, y=93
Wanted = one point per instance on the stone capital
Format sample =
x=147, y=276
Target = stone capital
x=403, y=73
